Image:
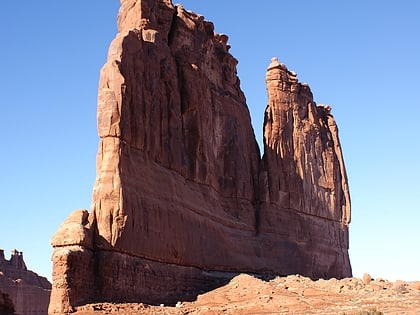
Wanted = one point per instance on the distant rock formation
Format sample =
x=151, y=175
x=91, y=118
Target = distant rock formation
x=29, y=292
x=182, y=197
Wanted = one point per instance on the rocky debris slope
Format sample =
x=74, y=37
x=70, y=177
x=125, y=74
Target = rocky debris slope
x=29, y=292
x=246, y=294
x=182, y=198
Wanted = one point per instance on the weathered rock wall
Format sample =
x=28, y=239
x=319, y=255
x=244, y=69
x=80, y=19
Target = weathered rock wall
x=303, y=178
x=29, y=292
x=6, y=305
x=182, y=198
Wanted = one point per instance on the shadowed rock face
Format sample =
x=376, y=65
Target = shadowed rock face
x=182, y=197
x=6, y=305
x=23, y=290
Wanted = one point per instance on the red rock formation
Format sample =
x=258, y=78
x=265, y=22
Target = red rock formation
x=303, y=176
x=29, y=292
x=182, y=197
x=6, y=305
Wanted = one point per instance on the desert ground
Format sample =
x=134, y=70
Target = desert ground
x=246, y=294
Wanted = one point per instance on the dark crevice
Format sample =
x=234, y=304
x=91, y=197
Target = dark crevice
x=172, y=30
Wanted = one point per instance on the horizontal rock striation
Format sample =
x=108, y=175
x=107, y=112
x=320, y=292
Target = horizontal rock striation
x=182, y=198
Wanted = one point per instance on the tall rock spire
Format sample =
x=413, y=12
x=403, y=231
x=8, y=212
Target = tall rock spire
x=302, y=149
x=303, y=178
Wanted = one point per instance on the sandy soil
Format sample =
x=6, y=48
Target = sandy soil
x=246, y=294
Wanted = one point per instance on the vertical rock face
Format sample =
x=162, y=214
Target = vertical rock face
x=6, y=305
x=302, y=152
x=28, y=292
x=182, y=197
x=303, y=178
x=179, y=157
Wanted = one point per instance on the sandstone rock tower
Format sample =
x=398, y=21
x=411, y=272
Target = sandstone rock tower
x=182, y=197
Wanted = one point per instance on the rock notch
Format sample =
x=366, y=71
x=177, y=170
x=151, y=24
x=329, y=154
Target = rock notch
x=182, y=198
x=27, y=291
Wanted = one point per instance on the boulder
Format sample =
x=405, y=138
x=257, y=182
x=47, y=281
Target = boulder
x=367, y=278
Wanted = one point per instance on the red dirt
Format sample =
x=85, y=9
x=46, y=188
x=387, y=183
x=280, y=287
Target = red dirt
x=246, y=294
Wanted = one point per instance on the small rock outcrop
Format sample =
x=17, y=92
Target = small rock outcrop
x=182, y=197
x=28, y=292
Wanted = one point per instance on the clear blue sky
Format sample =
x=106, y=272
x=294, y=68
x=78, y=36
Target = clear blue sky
x=361, y=57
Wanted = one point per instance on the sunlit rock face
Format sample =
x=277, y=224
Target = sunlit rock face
x=182, y=197
x=304, y=190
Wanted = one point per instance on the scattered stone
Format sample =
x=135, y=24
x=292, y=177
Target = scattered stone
x=415, y=285
x=400, y=286
x=377, y=285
